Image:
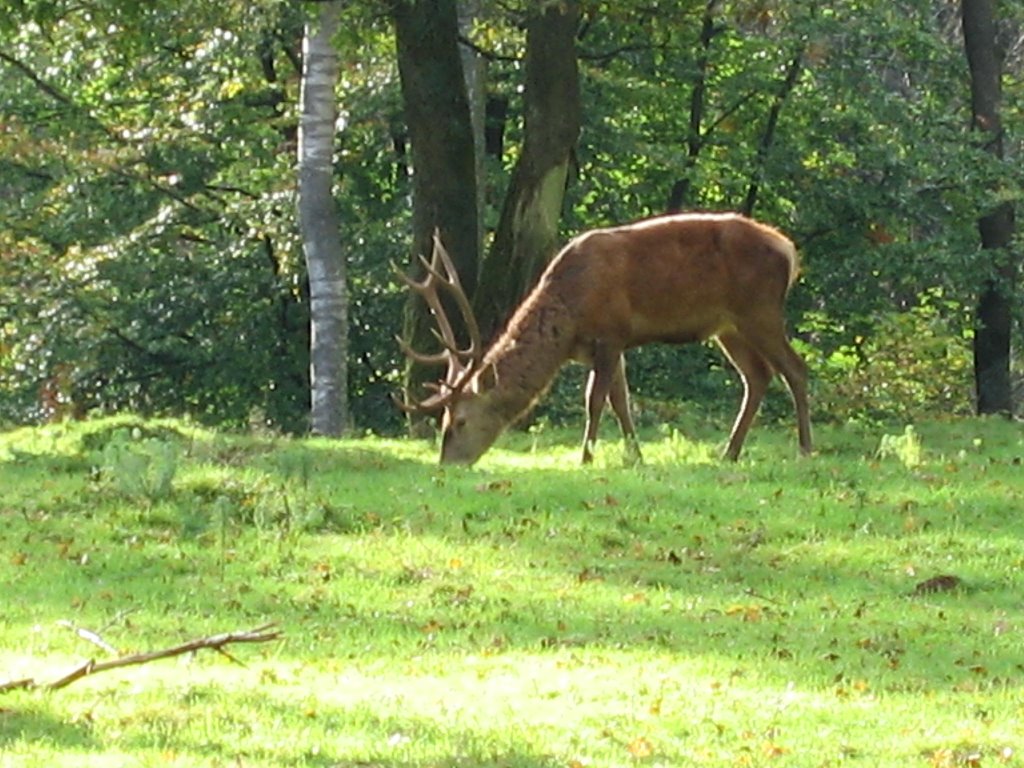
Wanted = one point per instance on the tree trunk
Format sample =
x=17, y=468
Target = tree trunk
x=768, y=137
x=318, y=221
x=527, y=233
x=993, y=315
x=443, y=155
x=475, y=74
x=681, y=190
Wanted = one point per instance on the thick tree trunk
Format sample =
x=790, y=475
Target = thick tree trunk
x=993, y=316
x=527, y=233
x=318, y=221
x=443, y=155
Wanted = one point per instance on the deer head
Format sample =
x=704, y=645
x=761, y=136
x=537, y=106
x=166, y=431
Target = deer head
x=466, y=432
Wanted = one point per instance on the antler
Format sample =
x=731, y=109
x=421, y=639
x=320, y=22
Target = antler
x=462, y=363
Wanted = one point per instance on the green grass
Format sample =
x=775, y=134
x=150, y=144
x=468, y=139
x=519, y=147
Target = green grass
x=526, y=613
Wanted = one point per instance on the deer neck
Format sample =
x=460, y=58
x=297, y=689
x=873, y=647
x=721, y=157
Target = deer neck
x=522, y=363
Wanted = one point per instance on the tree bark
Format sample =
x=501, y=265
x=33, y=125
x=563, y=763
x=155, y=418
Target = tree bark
x=680, y=193
x=318, y=222
x=475, y=74
x=444, y=183
x=527, y=233
x=993, y=314
x=768, y=137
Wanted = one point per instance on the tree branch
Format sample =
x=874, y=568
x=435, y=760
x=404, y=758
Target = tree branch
x=485, y=53
x=604, y=57
x=262, y=634
x=56, y=94
x=695, y=136
x=41, y=84
x=768, y=137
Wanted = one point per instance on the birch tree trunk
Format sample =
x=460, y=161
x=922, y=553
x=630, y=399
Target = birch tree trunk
x=318, y=222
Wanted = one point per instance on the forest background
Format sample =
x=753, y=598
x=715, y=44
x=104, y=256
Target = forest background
x=151, y=251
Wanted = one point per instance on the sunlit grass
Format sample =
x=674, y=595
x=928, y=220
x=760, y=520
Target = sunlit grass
x=526, y=612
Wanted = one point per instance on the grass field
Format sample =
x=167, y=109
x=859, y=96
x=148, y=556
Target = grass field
x=863, y=607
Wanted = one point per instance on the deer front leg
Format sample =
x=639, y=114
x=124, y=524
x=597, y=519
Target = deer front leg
x=604, y=365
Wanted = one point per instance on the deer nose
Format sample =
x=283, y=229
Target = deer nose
x=456, y=452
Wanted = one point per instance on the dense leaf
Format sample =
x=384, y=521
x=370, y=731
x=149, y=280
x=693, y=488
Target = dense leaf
x=149, y=254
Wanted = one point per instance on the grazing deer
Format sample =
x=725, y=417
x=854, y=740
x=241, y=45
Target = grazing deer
x=676, y=279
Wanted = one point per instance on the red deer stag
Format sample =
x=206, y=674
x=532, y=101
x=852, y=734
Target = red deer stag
x=676, y=279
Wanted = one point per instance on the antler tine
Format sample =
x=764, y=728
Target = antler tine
x=424, y=406
x=434, y=279
x=442, y=274
x=424, y=358
x=443, y=392
x=475, y=350
x=428, y=289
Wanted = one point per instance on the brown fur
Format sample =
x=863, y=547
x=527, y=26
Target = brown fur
x=673, y=279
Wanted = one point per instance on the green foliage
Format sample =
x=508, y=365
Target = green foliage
x=151, y=263
x=912, y=365
x=151, y=260
x=141, y=468
x=905, y=447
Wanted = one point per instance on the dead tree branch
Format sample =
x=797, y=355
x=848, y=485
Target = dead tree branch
x=263, y=634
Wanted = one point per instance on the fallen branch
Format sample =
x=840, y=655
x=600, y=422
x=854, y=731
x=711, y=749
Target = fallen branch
x=89, y=636
x=17, y=685
x=263, y=634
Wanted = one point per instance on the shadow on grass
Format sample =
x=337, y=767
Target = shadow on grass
x=346, y=737
x=502, y=761
x=735, y=561
x=28, y=725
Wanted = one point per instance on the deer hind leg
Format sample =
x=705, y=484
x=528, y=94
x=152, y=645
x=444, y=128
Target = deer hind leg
x=794, y=371
x=756, y=372
x=771, y=342
x=618, y=396
x=603, y=372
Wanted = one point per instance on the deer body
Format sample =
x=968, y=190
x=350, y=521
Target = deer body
x=674, y=279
